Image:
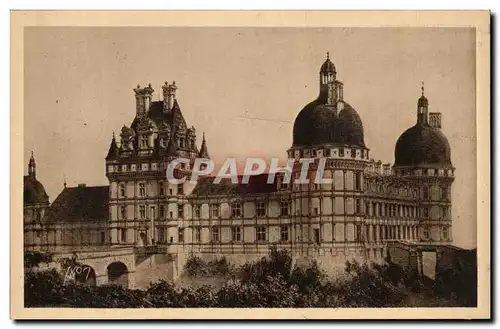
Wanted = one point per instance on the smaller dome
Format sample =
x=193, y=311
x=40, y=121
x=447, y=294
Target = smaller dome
x=328, y=66
x=34, y=192
x=422, y=145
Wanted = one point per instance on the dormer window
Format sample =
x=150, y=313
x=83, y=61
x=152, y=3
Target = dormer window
x=144, y=142
x=182, y=142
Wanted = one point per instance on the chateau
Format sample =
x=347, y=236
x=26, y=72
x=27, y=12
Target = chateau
x=367, y=205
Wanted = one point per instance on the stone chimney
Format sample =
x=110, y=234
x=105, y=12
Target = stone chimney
x=435, y=119
x=378, y=167
x=143, y=98
x=168, y=95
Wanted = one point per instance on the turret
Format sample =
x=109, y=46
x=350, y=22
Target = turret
x=204, y=150
x=423, y=109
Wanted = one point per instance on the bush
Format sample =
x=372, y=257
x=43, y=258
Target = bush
x=272, y=281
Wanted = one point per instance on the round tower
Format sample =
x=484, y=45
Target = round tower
x=423, y=155
x=327, y=179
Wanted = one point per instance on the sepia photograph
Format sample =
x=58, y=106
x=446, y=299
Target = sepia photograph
x=251, y=166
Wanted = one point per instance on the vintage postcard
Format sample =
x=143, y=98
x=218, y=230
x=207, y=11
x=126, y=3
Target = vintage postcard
x=250, y=165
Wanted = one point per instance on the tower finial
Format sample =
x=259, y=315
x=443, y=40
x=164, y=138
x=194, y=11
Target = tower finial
x=32, y=153
x=113, y=134
x=203, y=135
x=422, y=87
x=327, y=55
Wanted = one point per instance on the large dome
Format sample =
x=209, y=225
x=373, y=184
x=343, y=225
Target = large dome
x=318, y=124
x=34, y=192
x=422, y=144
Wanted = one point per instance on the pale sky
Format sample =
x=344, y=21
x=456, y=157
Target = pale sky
x=79, y=81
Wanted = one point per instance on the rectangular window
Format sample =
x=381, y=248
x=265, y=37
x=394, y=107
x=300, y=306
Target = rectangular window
x=315, y=211
x=181, y=235
x=142, y=212
x=215, y=234
x=180, y=189
x=162, y=211
x=215, y=208
x=425, y=193
x=152, y=212
x=236, y=209
x=124, y=235
x=261, y=209
x=162, y=189
x=357, y=181
x=284, y=233
x=123, y=211
x=357, y=204
x=123, y=190
x=445, y=232
x=353, y=153
x=261, y=233
x=284, y=185
x=142, y=189
x=426, y=233
x=161, y=235
x=341, y=151
x=236, y=233
x=103, y=238
x=317, y=238
x=444, y=193
x=285, y=205
x=197, y=211
x=180, y=211
x=358, y=233
x=425, y=212
x=197, y=234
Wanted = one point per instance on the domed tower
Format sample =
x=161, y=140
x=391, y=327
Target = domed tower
x=328, y=215
x=423, y=155
x=35, y=204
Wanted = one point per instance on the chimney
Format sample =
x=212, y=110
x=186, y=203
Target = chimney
x=143, y=98
x=435, y=120
x=168, y=95
x=378, y=167
x=82, y=185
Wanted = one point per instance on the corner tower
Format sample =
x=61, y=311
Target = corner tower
x=422, y=154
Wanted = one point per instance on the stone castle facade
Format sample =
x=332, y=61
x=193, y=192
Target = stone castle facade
x=367, y=204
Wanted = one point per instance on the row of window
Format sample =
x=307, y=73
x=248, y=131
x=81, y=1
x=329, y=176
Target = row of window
x=384, y=232
x=142, y=190
x=237, y=234
x=375, y=209
x=357, y=183
x=327, y=152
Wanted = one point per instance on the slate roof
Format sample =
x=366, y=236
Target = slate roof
x=256, y=185
x=80, y=203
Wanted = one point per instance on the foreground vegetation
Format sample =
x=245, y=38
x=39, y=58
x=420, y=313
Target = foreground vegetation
x=273, y=281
